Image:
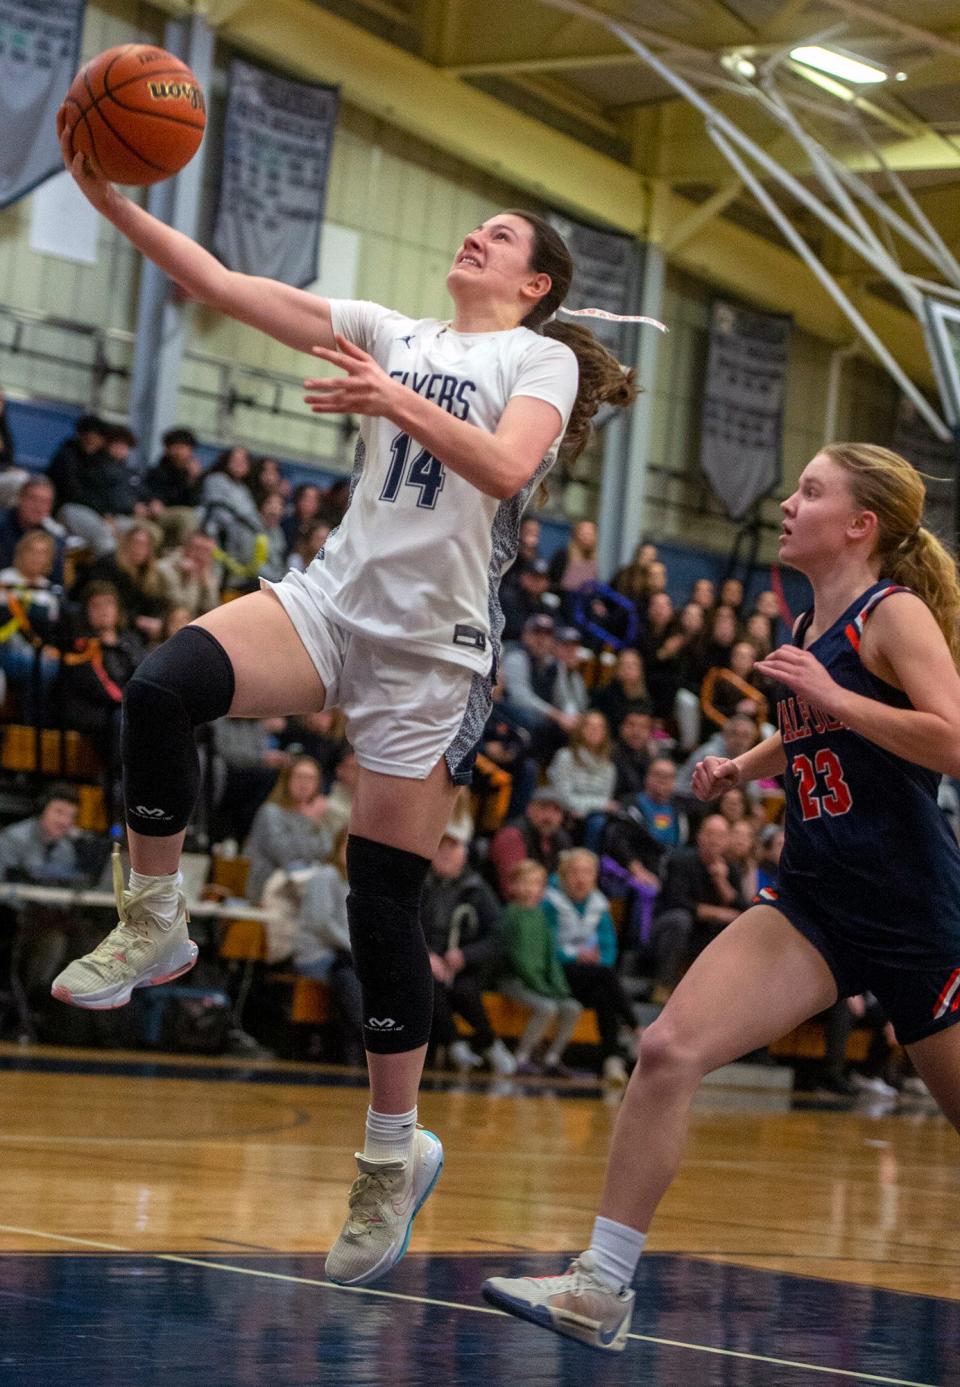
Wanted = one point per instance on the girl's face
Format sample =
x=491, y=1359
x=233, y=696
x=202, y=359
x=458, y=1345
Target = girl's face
x=102, y=612
x=629, y=667
x=269, y=474
x=304, y=782
x=493, y=264
x=724, y=626
x=272, y=509
x=646, y=555
x=742, y=659
x=307, y=503
x=35, y=558
x=742, y=841
x=585, y=534
x=732, y=805
x=731, y=594
x=594, y=731
x=691, y=619
x=656, y=577
x=139, y=548
x=528, y=890
x=238, y=464
x=821, y=518
x=702, y=592
x=660, y=609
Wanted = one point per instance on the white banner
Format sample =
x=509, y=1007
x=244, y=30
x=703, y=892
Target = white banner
x=741, y=439
x=277, y=144
x=39, y=56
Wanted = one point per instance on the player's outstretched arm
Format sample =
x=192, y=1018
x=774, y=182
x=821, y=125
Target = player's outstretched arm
x=293, y=317
x=714, y=774
x=903, y=645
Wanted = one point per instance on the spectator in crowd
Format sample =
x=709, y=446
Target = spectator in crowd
x=659, y=808
x=530, y=676
x=734, y=805
x=731, y=595
x=266, y=479
x=524, y=597
x=759, y=631
x=323, y=736
x=736, y=736
x=575, y=565
x=721, y=636
x=768, y=604
x=42, y=850
x=12, y=477
x=632, y=754
x=631, y=580
x=635, y=845
x=626, y=692
x=742, y=855
x=271, y=513
x=656, y=577
x=31, y=511
x=303, y=513
x=726, y=691
x=230, y=513
x=334, y=502
x=173, y=487
x=29, y=610
x=95, y=490
x=309, y=543
x=95, y=675
x=539, y=835
x=321, y=948
x=528, y=551
x=704, y=593
x=461, y=922
x=132, y=571
x=174, y=620
x=533, y=974
x=569, y=690
x=246, y=762
x=508, y=748
x=288, y=829
x=584, y=775
x=701, y=894
x=189, y=576
x=579, y=916
x=662, y=677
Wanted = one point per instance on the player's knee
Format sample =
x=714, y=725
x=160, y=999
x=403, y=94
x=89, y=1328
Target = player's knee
x=668, y=1054
x=188, y=680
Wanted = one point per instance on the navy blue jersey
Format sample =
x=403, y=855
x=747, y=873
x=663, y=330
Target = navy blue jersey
x=866, y=844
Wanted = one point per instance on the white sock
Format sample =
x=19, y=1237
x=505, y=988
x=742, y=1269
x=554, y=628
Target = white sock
x=165, y=898
x=616, y=1248
x=389, y=1135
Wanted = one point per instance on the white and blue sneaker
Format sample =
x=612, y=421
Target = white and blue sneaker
x=384, y=1200
x=578, y=1304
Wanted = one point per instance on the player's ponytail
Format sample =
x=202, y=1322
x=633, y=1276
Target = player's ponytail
x=885, y=483
x=603, y=381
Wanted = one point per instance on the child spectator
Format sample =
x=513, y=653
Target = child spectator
x=579, y=916
x=534, y=976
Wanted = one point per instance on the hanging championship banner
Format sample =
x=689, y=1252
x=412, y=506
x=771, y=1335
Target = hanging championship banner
x=606, y=267
x=39, y=55
x=277, y=144
x=741, y=439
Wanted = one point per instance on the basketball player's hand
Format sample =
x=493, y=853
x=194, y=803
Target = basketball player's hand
x=713, y=775
x=364, y=389
x=804, y=675
x=90, y=181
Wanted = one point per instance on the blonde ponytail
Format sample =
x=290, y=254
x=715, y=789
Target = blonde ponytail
x=885, y=483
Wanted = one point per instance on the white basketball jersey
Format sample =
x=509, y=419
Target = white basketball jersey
x=419, y=555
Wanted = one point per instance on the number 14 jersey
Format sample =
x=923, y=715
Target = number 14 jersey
x=865, y=836
x=418, y=558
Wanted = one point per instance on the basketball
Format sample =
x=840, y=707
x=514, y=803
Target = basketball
x=137, y=112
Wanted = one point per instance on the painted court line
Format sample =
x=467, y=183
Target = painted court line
x=289, y=1279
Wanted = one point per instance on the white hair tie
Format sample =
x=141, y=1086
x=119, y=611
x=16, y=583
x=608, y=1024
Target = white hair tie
x=612, y=317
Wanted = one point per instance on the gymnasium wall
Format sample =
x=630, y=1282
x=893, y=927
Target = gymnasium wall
x=409, y=206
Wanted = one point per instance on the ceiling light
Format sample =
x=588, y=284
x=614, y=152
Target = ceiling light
x=736, y=62
x=838, y=64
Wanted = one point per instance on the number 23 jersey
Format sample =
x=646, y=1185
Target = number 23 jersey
x=865, y=838
x=419, y=555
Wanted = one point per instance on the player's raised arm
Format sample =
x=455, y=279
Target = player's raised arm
x=291, y=316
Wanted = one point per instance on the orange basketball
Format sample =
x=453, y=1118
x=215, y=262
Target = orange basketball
x=137, y=112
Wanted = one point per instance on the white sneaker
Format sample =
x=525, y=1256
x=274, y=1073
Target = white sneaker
x=578, y=1304
x=500, y=1059
x=385, y=1198
x=876, y=1086
x=142, y=951
x=462, y=1057
x=614, y=1072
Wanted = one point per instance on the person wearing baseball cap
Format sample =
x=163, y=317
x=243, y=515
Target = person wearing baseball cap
x=525, y=596
x=569, y=691
x=529, y=677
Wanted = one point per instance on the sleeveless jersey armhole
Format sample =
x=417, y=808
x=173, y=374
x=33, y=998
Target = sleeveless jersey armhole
x=854, y=629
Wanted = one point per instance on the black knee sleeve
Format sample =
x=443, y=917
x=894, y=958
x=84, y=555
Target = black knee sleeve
x=185, y=682
x=389, y=949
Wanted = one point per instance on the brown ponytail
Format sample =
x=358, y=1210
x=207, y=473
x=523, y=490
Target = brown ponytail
x=885, y=483
x=602, y=379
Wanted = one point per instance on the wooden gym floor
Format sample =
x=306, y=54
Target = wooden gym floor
x=162, y=1221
